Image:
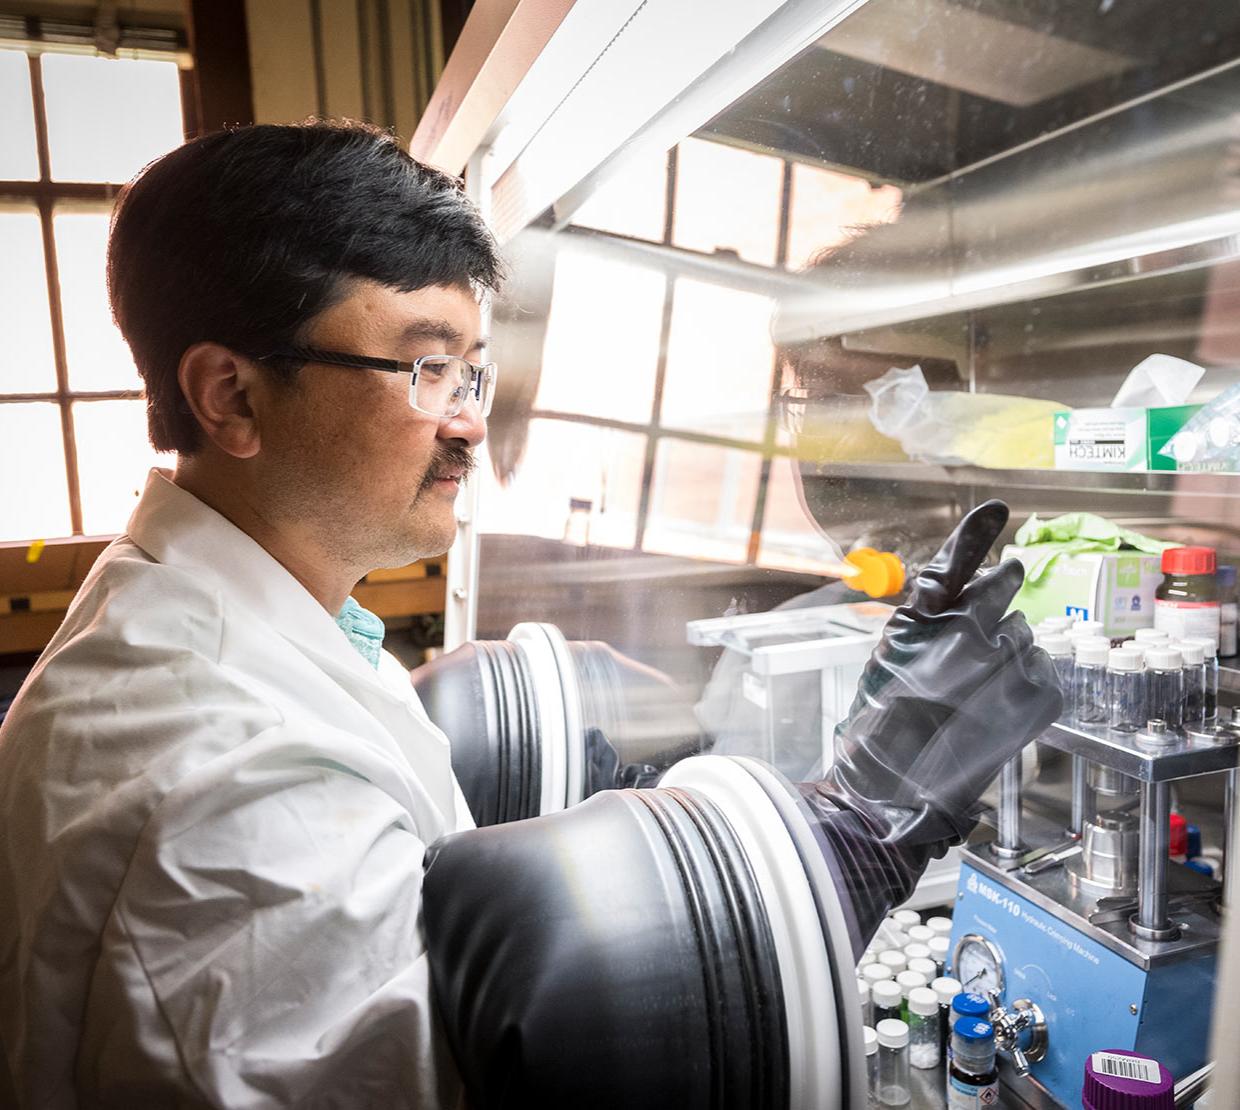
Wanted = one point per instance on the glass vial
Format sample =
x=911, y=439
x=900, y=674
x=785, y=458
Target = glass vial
x=1164, y=685
x=945, y=989
x=871, y=1062
x=938, y=953
x=972, y=1079
x=885, y=1001
x=1126, y=690
x=1089, y=681
x=894, y=960
x=893, y=1075
x=1210, y=649
x=923, y=1028
x=1059, y=648
x=867, y=1007
x=908, y=981
x=1193, y=656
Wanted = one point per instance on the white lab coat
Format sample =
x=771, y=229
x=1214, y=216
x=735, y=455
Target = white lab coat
x=213, y=814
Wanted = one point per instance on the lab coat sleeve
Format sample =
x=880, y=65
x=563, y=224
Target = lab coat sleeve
x=266, y=946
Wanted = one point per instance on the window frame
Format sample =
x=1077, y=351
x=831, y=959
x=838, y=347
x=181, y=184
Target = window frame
x=46, y=194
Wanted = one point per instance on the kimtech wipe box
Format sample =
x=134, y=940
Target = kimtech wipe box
x=1115, y=587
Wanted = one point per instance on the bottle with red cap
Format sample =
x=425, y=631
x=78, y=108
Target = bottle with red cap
x=1186, y=603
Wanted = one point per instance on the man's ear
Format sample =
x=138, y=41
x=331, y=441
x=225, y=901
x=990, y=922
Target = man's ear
x=218, y=385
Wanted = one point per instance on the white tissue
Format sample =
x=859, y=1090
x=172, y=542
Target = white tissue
x=1157, y=381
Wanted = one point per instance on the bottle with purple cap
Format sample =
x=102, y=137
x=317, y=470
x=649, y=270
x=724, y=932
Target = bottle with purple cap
x=1118, y=1080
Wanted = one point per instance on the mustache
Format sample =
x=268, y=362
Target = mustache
x=448, y=459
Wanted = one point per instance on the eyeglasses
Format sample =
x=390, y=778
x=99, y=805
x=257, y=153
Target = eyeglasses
x=790, y=407
x=439, y=385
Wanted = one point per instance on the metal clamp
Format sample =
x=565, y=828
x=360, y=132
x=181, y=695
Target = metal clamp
x=1021, y=1032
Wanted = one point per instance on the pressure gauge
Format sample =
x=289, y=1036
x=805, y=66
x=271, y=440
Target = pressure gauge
x=978, y=964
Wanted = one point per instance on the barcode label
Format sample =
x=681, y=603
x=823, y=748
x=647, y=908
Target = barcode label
x=1126, y=1067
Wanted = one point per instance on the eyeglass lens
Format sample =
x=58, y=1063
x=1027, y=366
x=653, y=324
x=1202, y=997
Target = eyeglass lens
x=443, y=383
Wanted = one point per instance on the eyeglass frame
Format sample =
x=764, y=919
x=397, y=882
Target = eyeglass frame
x=479, y=372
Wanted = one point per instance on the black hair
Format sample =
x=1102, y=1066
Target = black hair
x=242, y=237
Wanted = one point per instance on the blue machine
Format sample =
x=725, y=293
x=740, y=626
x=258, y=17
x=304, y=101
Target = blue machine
x=1090, y=996
x=1093, y=939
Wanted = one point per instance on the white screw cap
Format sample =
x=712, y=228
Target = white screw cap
x=945, y=989
x=1161, y=658
x=886, y=993
x=892, y=1033
x=923, y=1001
x=1092, y=650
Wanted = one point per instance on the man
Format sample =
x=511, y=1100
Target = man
x=215, y=788
x=217, y=793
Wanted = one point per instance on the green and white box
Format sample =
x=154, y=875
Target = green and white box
x=1100, y=439
x=1115, y=587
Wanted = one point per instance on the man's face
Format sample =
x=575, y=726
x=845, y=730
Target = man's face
x=346, y=460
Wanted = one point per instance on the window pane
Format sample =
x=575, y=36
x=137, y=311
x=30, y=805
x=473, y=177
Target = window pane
x=596, y=467
x=37, y=506
x=718, y=378
x=98, y=357
x=602, y=347
x=632, y=202
x=109, y=117
x=702, y=501
x=727, y=198
x=29, y=364
x=789, y=538
x=19, y=157
x=829, y=207
x=114, y=455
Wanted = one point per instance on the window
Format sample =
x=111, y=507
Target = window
x=72, y=424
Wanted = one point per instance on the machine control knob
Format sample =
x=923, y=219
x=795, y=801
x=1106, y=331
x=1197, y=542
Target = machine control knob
x=1020, y=1031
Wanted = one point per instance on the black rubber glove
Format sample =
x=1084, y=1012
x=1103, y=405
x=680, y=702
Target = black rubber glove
x=953, y=690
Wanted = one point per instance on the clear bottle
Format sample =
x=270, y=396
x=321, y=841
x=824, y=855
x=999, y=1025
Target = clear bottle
x=923, y=1028
x=1126, y=690
x=939, y=948
x=1228, y=612
x=1056, y=624
x=1084, y=629
x=875, y=971
x=940, y=926
x=893, y=958
x=1138, y=646
x=925, y=967
x=1089, y=699
x=915, y=950
x=870, y=1038
x=1194, y=658
x=1059, y=648
x=1164, y=685
x=885, y=1001
x=920, y=933
x=972, y=1078
x=1151, y=636
x=893, y=1075
x=1210, y=646
x=867, y=1007
x=909, y=981
x=906, y=919
x=945, y=990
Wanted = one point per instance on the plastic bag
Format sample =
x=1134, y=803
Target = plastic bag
x=956, y=428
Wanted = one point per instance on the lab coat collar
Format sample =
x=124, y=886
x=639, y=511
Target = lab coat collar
x=174, y=527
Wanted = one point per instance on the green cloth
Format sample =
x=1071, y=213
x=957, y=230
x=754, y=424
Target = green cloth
x=1077, y=533
x=364, y=630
